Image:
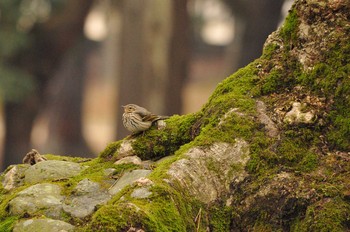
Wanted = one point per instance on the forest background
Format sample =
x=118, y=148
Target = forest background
x=66, y=67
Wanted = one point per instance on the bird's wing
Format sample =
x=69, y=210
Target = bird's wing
x=142, y=112
x=150, y=117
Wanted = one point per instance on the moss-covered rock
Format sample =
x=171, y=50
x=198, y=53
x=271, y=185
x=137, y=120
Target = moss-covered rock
x=269, y=151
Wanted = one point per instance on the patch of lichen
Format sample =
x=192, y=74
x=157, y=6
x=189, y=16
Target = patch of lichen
x=328, y=214
x=155, y=144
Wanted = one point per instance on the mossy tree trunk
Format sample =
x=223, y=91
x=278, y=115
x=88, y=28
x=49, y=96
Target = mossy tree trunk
x=287, y=112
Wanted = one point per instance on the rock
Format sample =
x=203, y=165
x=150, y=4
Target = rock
x=86, y=196
x=14, y=177
x=296, y=116
x=147, y=164
x=125, y=148
x=270, y=126
x=40, y=225
x=51, y=170
x=208, y=172
x=133, y=229
x=143, y=181
x=109, y=171
x=141, y=193
x=128, y=178
x=45, y=198
x=129, y=159
x=161, y=124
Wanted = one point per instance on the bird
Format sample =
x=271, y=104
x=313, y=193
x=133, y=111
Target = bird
x=137, y=119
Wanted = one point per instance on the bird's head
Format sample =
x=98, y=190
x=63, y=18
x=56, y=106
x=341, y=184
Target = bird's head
x=129, y=108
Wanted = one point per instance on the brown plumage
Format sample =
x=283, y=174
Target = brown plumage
x=137, y=119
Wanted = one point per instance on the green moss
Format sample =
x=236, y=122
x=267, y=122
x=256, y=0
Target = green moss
x=165, y=210
x=309, y=162
x=155, y=144
x=220, y=218
x=290, y=27
x=269, y=51
x=326, y=215
x=272, y=82
x=264, y=227
x=117, y=218
x=95, y=171
x=330, y=79
x=67, y=158
x=110, y=151
x=234, y=87
x=6, y=225
x=229, y=113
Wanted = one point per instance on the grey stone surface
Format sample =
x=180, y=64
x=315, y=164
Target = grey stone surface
x=42, y=225
x=271, y=128
x=51, y=170
x=128, y=178
x=125, y=149
x=129, y=159
x=109, y=171
x=87, y=195
x=14, y=177
x=44, y=198
x=141, y=193
x=207, y=172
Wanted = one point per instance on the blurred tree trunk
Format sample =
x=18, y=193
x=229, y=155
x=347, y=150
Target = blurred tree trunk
x=130, y=89
x=50, y=41
x=65, y=98
x=254, y=21
x=178, y=57
x=153, y=56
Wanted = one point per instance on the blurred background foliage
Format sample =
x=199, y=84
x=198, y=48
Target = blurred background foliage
x=66, y=67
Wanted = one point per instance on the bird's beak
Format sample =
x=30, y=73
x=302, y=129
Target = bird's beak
x=123, y=106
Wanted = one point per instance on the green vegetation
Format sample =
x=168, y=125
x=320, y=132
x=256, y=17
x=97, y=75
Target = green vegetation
x=164, y=210
x=6, y=225
x=330, y=79
x=220, y=218
x=155, y=144
x=111, y=150
x=325, y=215
x=290, y=28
